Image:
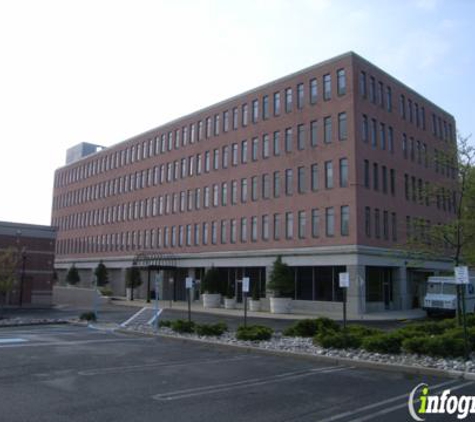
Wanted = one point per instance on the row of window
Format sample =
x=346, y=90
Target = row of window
x=221, y=232
x=210, y=126
x=386, y=182
x=417, y=190
x=228, y=155
x=218, y=194
x=409, y=110
x=380, y=224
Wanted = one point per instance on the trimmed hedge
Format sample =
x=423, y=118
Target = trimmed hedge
x=310, y=327
x=183, y=326
x=211, y=329
x=88, y=316
x=383, y=343
x=164, y=323
x=254, y=332
x=338, y=340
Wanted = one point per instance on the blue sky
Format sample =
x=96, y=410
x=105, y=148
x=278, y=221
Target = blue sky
x=102, y=71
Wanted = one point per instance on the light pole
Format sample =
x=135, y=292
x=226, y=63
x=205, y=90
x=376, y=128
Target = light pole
x=22, y=279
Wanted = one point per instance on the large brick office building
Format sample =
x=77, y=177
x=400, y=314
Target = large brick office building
x=327, y=167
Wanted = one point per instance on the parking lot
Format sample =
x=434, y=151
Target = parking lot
x=67, y=373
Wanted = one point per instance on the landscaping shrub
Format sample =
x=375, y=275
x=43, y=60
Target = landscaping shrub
x=211, y=329
x=416, y=345
x=164, y=323
x=87, y=316
x=310, y=327
x=338, y=340
x=383, y=343
x=254, y=332
x=362, y=331
x=106, y=291
x=183, y=326
x=449, y=344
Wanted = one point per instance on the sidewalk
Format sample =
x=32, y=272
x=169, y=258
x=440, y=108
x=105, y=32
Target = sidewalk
x=198, y=307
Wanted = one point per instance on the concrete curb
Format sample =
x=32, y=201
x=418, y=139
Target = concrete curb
x=389, y=367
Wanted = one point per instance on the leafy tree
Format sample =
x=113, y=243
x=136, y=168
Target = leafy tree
x=8, y=268
x=281, y=279
x=211, y=281
x=72, y=277
x=101, y=274
x=133, y=279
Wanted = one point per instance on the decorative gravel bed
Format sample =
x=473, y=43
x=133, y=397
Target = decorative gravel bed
x=305, y=346
x=16, y=322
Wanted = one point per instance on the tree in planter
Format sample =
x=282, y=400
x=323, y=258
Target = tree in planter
x=256, y=294
x=101, y=274
x=72, y=277
x=230, y=291
x=8, y=267
x=210, y=283
x=133, y=279
x=281, y=280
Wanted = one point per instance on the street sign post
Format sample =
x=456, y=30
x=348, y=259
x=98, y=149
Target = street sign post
x=245, y=291
x=155, y=323
x=462, y=279
x=344, y=281
x=189, y=286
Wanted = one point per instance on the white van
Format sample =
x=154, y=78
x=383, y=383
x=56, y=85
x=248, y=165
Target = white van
x=441, y=296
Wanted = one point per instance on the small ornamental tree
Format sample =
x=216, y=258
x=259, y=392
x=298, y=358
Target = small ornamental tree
x=210, y=283
x=8, y=268
x=133, y=279
x=281, y=280
x=101, y=274
x=72, y=277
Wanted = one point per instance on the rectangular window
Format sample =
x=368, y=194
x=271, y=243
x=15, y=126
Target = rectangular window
x=216, y=124
x=343, y=172
x=390, y=139
x=265, y=186
x=214, y=232
x=345, y=220
x=327, y=87
x=367, y=221
x=244, y=152
x=276, y=103
x=314, y=177
x=255, y=111
x=364, y=128
x=389, y=99
x=342, y=127
x=188, y=235
x=301, y=185
x=224, y=194
x=197, y=234
x=301, y=137
x=406, y=187
x=265, y=227
x=363, y=90
x=208, y=127
x=276, y=184
x=234, y=192
x=300, y=96
x=392, y=181
x=315, y=223
x=235, y=118
x=205, y=234
x=330, y=221
x=276, y=143
x=276, y=226
x=313, y=91
x=243, y=190
x=265, y=146
x=385, y=225
x=255, y=149
x=374, y=133
x=254, y=188
x=288, y=139
x=223, y=231
x=327, y=133
x=375, y=176
x=302, y=224
x=384, y=174
x=394, y=226
x=234, y=154
x=253, y=229
x=288, y=182
x=225, y=155
x=341, y=82
x=216, y=159
x=382, y=135
x=243, y=229
x=206, y=197
x=377, y=224
x=207, y=161
x=244, y=117
x=289, y=225
x=328, y=175
x=381, y=94
x=372, y=89
x=313, y=133
x=402, y=106
x=288, y=100
x=225, y=121
x=265, y=107
x=233, y=231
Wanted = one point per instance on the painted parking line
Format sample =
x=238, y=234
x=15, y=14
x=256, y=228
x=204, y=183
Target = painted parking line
x=218, y=388
x=168, y=364
x=72, y=343
x=12, y=340
x=381, y=403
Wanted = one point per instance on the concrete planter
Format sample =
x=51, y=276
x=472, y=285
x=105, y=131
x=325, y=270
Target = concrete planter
x=280, y=305
x=211, y=300
x=229, y=303
x=128, y=293
x=254, y=305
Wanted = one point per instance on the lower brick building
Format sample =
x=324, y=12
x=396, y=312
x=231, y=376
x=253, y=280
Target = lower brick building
x=34, y=246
